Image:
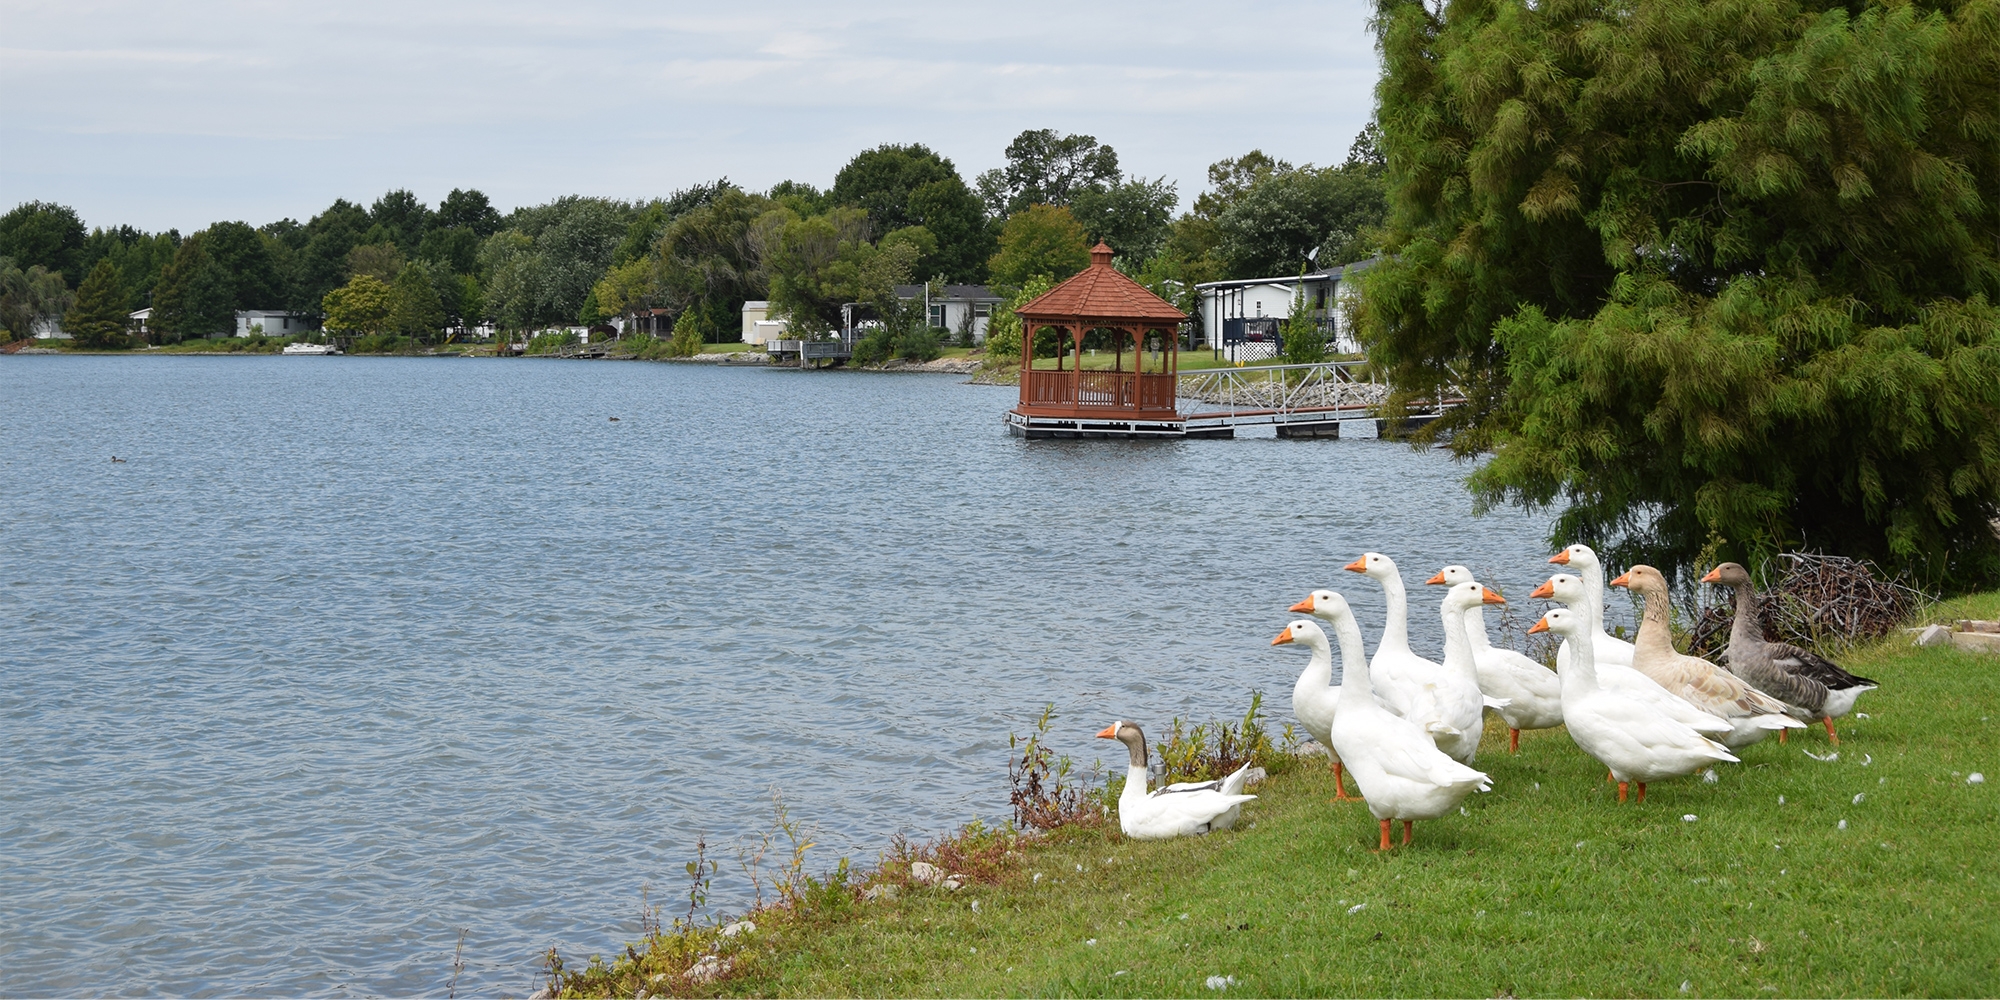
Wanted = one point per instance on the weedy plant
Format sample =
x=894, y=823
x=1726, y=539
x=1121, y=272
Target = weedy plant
x=700, y=871
x=1041, y=790
x=1206, y=751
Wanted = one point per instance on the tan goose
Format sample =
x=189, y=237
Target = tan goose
x=1751, y=714
x=1811, y=686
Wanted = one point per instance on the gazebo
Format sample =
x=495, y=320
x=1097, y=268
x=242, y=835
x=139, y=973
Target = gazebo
x=1060, y=399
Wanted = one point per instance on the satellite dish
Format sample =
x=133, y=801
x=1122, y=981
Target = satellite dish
x=1312, y=256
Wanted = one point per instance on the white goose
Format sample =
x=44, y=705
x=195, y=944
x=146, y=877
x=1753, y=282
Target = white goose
x=1751, y=714
x=1460, y=698
x=1315, y=696
x=1531, y=693
x=1582, y=559
x=1185, y=809
x=1620, y=678
x=1402, y=774
x=1637, y=742
x=1405, y=683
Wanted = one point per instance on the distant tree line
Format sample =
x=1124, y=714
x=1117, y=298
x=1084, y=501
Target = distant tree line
x=401, y=272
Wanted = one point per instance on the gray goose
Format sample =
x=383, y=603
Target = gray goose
x=1811, y=686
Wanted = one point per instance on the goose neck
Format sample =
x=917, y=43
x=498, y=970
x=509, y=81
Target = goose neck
x=1355, y=686
x=1579, y=665
x=1396, y=629
x=1746, y=629
x=1457, y=647
x=1135, y=785
x=1318, y=674
x=1593, y=585
x=1655, y=631
x=1475, y=629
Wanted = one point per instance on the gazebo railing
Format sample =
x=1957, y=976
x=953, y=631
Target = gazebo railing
x=1111, y=390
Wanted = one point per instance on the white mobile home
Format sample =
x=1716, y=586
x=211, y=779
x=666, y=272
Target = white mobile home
x=270, y=323
x=1242, y=317
x=952, y=308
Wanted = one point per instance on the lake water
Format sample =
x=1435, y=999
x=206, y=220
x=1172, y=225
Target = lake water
x=351, y=654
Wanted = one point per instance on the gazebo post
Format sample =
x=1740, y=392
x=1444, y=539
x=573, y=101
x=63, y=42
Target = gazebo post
x=1076, y=376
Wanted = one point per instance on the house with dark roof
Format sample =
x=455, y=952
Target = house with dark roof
x=955, y=308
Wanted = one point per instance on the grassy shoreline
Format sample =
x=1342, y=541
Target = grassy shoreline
x=1875, y=876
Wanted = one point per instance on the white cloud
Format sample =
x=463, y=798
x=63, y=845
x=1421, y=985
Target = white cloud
x=178, y=115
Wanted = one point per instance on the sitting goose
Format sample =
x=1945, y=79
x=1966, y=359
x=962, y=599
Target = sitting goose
x=1400, y=771
x=1185, y=809
x=1531, y=692
x=1811, y=686
x=1751, y=713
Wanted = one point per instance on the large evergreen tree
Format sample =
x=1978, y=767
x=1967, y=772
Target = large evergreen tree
x=97, y=317
x=1717, y=276
x=195, y=296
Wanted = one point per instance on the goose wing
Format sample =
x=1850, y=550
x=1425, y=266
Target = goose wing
x=1719, y=690
x=1423, y=762
x=1649, y=728
x=1804, y=694
x=1806, y=663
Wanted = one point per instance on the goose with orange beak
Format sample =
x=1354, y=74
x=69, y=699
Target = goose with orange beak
x=1638, y=743
x=1400, y=771
x=1315, y=697
x=1405, y=683
x=1751, y=714
x=1619, y=678
x=1461, y=702
x=1810, y=685
x=1184, y=809
x=1528, y=695
x=1582, y=560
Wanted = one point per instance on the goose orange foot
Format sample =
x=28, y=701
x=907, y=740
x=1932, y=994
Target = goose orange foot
x=1340, y=789
x=1621, y=791
x=1385, y=836
x=1513, y=741
x=1406, y=833
x=1830, y=734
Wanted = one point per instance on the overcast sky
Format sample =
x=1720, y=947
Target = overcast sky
x=175, y=115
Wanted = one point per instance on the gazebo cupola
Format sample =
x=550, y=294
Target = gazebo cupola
x=1060, y=398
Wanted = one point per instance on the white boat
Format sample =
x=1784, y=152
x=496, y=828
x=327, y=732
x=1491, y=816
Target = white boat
x=305, y=348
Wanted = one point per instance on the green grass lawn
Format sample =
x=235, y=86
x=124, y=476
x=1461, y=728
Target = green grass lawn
x=1873, y=873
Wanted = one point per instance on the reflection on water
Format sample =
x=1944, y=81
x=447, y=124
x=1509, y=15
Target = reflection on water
x=350, y=654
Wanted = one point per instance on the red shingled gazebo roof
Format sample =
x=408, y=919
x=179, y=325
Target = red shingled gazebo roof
x=1100, y=292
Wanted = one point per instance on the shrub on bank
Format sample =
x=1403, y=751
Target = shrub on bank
x=230, y=345
x=382, y=343
x=550, y=341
